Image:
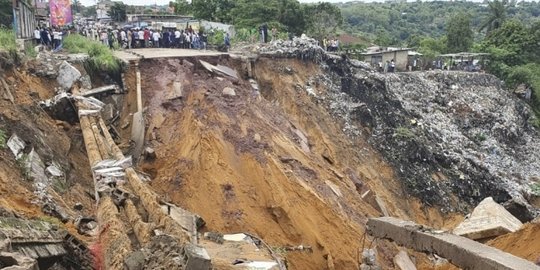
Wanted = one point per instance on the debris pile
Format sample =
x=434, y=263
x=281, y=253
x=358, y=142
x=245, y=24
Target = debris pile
x=303, y=48
x=448, y=132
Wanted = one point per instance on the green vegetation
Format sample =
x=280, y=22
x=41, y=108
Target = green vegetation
x=535, y=188
x=101, y=57
x=118, y=12
x=407, y=20
x=7, y=40
x=480, y=137
x=3, y=139
x=459, y=35
x=403, y=133
x=6, y=13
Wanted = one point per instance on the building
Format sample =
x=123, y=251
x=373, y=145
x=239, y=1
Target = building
x=376, y=55
x=102, y=9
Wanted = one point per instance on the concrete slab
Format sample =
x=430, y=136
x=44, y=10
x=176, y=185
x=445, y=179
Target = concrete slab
x=137, y=134
x=151, y=53
x=403, y=261
x=489, y=219
x=238, y=237
x=460, y=251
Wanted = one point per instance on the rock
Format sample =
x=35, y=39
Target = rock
x=196, y=257
x=35, y=167
x=135, y=261
x=108, y=112
x=334, y=188
x=67, y=75
x=86, y=82
x=78, y=206
x=16, y=145
x=257, y=137
x=403, y=261
x=150, y=153
x=214, y=237
x=489, y=219
x=176, y=91
x=17, y=261
x=254, y=84
x=54, y=171
x=228, y=91
x=519, y=208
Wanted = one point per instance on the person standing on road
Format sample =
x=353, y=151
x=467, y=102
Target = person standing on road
x=156, y=37
x=141, y=38
x=37, y=36
x=204, y=39
x=146, y=35
x=177, y=36
x=227, y=41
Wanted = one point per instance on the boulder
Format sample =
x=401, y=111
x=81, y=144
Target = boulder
x=67, y=75
x=228, y=91
x=489, y=219
x=16, y=145
x=134, y=261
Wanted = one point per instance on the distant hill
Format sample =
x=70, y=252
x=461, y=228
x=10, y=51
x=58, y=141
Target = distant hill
x=400, y=21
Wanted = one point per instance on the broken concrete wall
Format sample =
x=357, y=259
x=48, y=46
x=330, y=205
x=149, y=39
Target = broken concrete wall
x=461, y=251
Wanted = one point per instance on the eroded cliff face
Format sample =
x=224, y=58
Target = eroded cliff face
x=453, y=138
x=316, y=147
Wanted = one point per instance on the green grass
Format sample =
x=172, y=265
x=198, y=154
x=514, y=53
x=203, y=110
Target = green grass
x=101, y=57
x=7, y=40
x=3, y=139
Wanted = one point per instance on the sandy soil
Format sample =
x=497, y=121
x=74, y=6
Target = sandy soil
x=524, y=243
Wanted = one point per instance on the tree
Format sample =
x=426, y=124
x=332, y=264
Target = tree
x=323, y=19
x=6, y=13
x=498, y=10
x=89, y=11
x=181, y=7
x=459, y=35
x=117, y=12
x=213, y=10
x=76, y=6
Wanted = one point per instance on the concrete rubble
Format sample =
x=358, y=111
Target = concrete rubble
x=228, y=91
x=299, y=47
x=67, y=75
x=450, y=246
x=30, y=241
x=489, y=219
x=403, y=261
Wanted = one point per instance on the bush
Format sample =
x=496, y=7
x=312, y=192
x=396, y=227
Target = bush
x=216, y=38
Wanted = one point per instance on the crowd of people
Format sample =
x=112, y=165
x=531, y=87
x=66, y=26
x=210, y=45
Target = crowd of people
x=331, y=45
x=49, y=37
x=129, y=38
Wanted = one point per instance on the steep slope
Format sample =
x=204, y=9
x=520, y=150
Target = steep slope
x=273, y=162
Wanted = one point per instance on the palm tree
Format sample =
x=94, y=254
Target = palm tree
x=497, y=15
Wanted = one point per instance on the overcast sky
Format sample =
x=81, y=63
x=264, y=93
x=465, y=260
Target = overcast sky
x=163, y=2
